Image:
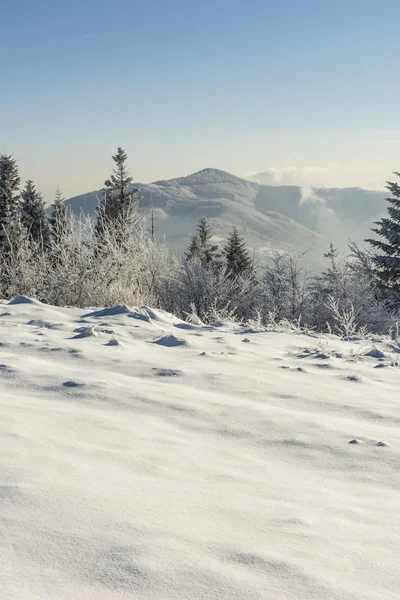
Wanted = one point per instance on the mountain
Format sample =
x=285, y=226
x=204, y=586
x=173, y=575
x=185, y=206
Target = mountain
x=270, y=217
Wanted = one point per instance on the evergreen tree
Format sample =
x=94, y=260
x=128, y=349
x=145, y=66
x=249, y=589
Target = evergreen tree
x=33, y=215
x=202, y=248
x=60, y=223
x=332, y=274
x=238, y=260
x=10, y=222
x=204, y=232
x=120, y=202
x=194, y=250
x=329, y=282
x=387, y=256
x=153, y=226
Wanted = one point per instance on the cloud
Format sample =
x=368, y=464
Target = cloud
x=322, y=217
x=330, y=176
x=300, y=176
x=308, y=195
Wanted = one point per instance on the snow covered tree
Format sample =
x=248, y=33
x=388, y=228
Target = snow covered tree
x=14, y=247
x=238, y=260
x=283, y=287
x=60, y=222
x=332, y=281
x=332, y=274
x=33, y=215
x=120, y=201
x=387, y=256
x=201, y=247
x=194, y=251
x=10, y=222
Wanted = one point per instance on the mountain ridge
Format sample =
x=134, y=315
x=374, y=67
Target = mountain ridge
x=204, y=176
x=270, y=217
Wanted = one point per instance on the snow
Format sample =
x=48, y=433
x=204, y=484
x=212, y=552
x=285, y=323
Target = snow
x=199, y=467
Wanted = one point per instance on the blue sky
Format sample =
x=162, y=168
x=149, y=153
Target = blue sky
x=304, y=92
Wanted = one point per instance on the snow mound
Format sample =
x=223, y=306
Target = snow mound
x=114, y=342
x=24, y=300
x=375, y=353
x=112, y=311
x=170, y=341
x=85, y=332
x=161, y=316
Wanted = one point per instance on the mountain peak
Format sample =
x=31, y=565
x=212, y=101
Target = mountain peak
x=205, y=176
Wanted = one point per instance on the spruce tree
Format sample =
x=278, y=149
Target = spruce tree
x=194, y=251
x=387, y=256
x=210, y=250
x=60, y=223
x=330, y=279
x=10, y=221
x=238, y=260
x=33, y=215
x=120, y=201
x=202, y=248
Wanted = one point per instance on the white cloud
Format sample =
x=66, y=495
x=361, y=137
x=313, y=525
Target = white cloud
x=290, y=176
x=310, y=196
x=330, y=176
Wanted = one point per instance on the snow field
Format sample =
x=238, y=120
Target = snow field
x=144, y=457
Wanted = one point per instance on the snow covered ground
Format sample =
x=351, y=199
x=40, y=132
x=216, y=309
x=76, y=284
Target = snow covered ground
x=146, y=458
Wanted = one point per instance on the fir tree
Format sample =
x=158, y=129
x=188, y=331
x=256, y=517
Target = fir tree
x=202, y=248
x=60, y=223
x=10, y=221
x=238, y=260
x=153, y=226
x=210, y=250
x=331, y=278
x=194, y=250
x=120, y=201
x=33, y=215
x=387, y=256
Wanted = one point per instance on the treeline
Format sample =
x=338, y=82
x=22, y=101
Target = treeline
x=118, y=259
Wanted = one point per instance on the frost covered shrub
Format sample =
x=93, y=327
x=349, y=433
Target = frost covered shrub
x=345, y=300
x=282, y=290
x=207, y=293
x=126, y=266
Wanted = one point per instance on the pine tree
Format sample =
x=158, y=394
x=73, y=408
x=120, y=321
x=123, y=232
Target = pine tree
x=10, y=222
x=153, y=226
x=238, y=260
x=204, y=231
x=202, y=248
x=387, y=257
x=194, y=250
x=331, y=278
x=60, y=223
x=120, y=202
x=33, y=215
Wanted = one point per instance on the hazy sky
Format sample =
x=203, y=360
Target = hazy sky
x=306, y=91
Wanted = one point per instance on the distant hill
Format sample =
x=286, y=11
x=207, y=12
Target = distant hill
x=270, y=217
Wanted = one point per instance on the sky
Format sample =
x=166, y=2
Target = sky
x=295, y=92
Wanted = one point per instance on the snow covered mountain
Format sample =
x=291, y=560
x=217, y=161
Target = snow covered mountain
x=269, y=217
x=145, y=458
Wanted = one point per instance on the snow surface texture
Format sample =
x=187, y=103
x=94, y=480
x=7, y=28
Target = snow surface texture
x=146, y=458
